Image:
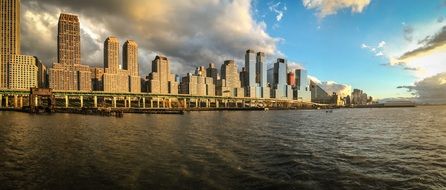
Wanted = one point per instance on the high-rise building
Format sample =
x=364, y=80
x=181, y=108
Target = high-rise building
x=116, y=79
x=130, y=63
x=229, y=85
x=280, y=88
x=255, y=80
x=212, y=72
x=302, y=89
x=200, y=71
x=111, y=55
x=96, y=78
x=250, y=66
x=291, y=79
x=42, y=76
x=16, y=71
x=161, y=81
x=69, y=40
x=69, y=73
x=197, y=85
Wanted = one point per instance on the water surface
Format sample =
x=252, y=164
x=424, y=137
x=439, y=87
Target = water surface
x=395, y=148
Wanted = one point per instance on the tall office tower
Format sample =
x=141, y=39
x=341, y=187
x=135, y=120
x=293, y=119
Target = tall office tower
x=69, y=40
x=281, y=90
x=212, y=72
x=262, y=91
x=255, y=81
x=161, y=81
x=111, y=65
x=69, y=73
x=10, y=27
x=16, y=71
x=302, y=85
x=250, y=66
x=111, y=55
x=130, y=63
x=229, y=85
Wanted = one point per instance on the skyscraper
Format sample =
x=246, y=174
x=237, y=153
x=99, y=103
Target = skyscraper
x=114, y=80
x=69, y=40
x=111, y=55
x=229, y=85
x=16, y=71
x=280, y=88
x=255, y=82
x=262, y=90
x=130, y=63
x=302, y=89
x=10, y=27
x=161, y=81
x=212, y=72
x=69, y=73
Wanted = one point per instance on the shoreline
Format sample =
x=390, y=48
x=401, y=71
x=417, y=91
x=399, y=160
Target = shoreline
x=119, y=112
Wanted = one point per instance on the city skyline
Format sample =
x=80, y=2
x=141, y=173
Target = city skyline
x=180, y=61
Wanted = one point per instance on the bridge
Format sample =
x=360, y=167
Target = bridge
x=93, y=99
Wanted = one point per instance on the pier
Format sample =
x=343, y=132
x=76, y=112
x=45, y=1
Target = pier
x=96, y=101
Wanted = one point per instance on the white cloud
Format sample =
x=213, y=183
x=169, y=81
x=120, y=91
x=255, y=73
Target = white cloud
x=278, y=9
x=381, y=44
x=333, y=87
x=378, y=50
x=330, y=7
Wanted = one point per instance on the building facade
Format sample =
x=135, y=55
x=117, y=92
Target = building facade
x=280, y=88
x=229, y=85
x=212, y=72
x=160, y=80
x=197, y=85
x=130, y=63
x=255, y=79
x=68, y=73
x=16, y=71
x=302, y=90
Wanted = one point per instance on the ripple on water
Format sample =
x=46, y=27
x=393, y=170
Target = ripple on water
x=347, y=149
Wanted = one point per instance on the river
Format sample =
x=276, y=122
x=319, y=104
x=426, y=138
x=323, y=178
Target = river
x=392, y=148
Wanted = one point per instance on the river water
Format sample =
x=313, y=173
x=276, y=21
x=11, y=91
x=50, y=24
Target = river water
x=394, y=148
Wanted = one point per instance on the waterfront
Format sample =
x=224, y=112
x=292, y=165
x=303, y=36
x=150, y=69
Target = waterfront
x=394, y=148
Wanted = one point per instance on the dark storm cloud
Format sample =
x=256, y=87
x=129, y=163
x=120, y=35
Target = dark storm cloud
x=190, y=33
x=431, y=89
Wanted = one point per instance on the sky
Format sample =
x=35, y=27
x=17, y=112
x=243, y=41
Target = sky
x=389, y=49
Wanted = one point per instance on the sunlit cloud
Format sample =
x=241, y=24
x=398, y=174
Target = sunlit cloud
x=330, y=7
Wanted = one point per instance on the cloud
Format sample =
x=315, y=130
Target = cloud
x=429, y=44
x=187, y=34
x=440, y=19
x=408, y=32
x=378, y=50
x=333, y=87
x=381, y=44
x=430, y=90
x=330, y=7
x=279, y=9
x=293, y=66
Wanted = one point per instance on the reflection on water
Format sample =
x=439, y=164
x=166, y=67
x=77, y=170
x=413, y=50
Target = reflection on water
x=347, y=149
